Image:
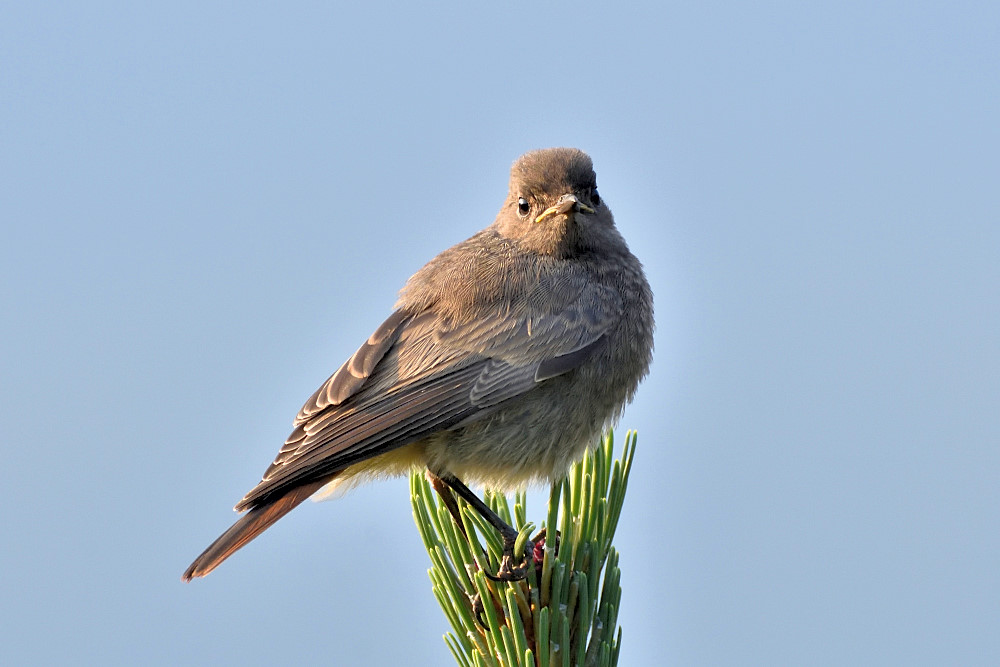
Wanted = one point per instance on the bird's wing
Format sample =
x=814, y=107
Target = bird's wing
x=352, y=374
x=419, y=374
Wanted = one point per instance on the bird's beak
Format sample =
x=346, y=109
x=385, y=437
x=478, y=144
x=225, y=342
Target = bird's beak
x=565, y=204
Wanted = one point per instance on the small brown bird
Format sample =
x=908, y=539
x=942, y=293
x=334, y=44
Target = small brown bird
x=506, y=357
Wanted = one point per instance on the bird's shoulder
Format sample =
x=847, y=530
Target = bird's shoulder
x=490, y=275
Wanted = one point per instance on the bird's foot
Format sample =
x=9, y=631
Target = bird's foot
x=514, y=567
x=478, y=610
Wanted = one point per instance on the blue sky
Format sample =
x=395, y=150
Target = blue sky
x=207, y=207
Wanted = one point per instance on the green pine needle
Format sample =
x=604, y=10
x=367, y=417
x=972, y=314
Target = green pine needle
x=566, y=612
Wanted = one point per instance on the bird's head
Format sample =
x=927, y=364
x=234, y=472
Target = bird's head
x=553, y=207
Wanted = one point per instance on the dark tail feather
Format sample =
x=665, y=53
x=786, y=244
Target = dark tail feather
x=249, y=526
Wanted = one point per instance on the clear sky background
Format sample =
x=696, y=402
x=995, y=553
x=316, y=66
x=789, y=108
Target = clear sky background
x=207, y=207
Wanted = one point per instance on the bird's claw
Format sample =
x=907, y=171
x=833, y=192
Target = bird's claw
x=478, y=609
x=509, y=570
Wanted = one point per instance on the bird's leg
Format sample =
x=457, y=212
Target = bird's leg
x=509, y=571
x=448, y=498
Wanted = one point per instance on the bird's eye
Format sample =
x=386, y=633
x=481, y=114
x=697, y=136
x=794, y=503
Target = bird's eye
x=595, y=198
x=523, y=206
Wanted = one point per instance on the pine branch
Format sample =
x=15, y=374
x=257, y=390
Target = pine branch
x=565, y=614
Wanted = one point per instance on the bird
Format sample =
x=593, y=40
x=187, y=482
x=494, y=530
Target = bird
x=505, y=358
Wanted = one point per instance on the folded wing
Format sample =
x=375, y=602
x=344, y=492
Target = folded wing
x=419, y=374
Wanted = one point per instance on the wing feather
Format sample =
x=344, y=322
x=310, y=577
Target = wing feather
x=350, y=377
x=419, y=374
x=364, y=433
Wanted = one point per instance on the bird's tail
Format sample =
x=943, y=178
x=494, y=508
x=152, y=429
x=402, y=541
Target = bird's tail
x=249, y=526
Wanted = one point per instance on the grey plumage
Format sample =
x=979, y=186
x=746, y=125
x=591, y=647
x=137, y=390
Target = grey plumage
x=506, y=357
